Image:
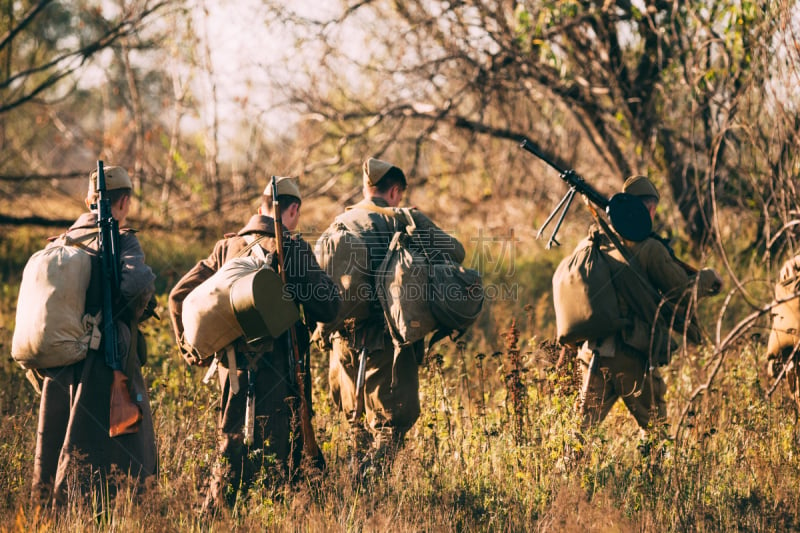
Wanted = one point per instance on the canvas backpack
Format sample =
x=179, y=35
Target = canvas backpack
x=401, y=284
x=343, y=254
x=52, y=326
x=648, y=318
x=420, y=294
x=590, y=284
x=584, y=295
x=244, y=298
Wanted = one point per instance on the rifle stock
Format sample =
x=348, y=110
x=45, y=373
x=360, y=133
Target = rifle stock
x=361, y=379
x=310, y=446
x=124, y=415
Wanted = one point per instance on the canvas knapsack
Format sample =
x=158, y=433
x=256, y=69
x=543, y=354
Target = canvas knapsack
x=211, y=320
x=455, y=294
x=420, y=294
x=344, y=256
x=584, y=295
x=649, y=317
x=401, y=284
x=52, y=326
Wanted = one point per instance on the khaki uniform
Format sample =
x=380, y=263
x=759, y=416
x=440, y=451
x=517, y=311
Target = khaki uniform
x=620, y=367
x=390, y=412
x=275, y=395
x=786, y=328
x=72, y=442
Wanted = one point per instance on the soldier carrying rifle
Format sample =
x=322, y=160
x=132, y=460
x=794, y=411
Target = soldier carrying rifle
x=265, y=368
x=94, y=416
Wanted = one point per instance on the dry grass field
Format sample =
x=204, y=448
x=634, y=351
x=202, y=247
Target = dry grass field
x=495, y=449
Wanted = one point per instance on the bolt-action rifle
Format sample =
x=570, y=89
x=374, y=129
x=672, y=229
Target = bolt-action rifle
x=124, y=415
x=310, y=446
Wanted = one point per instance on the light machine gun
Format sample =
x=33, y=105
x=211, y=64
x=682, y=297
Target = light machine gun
x=628, y=214
x=629, y=217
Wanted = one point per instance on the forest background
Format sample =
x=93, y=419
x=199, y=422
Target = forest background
x=202, y=101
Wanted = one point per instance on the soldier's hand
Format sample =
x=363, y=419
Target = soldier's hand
x=773, y=368
x=191, y=356
x=716, y=285
x=150, y=310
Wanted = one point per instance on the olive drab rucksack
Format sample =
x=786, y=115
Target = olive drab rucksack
x=416, y=295
x=456, y=295
x=584, y=295
x=344, y=256
x=420, y=294
x=401, y=284
x=52, y=326
x=589, y=287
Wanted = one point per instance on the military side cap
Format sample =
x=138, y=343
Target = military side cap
x=375, y=170
x=286, y=187
x=640, y=186
x=116, y=178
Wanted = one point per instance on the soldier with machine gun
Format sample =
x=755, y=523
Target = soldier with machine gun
x=654, y=295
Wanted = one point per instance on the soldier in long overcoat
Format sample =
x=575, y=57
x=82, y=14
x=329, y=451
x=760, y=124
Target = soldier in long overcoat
x=73, y=446
x=277, y=446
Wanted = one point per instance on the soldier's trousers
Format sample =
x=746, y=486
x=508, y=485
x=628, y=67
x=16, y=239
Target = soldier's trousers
x=385, y=408
x=791, y=376
x=276, y=450
x=624, y=375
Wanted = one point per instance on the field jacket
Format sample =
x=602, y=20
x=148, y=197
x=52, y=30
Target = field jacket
x=308, y=284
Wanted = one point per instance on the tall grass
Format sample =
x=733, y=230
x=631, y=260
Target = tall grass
x=496, y=447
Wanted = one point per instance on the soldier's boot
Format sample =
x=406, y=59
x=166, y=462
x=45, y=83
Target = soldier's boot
x=388, y=441
x=360, y=444
x=655, y=445
x=214, y=500
x=224, y=483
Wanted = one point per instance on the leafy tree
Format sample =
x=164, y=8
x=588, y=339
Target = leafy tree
x=45, y=43
x=616, y=87
x=82, y=79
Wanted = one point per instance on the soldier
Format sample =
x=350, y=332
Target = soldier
x=269, y=360
x=390, y=411
x=73, y=432
x=620, y=366
x=783, y=338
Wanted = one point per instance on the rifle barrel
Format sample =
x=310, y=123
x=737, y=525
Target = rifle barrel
x=310, y=446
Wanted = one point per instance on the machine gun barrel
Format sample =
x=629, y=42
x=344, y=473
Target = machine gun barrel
x=570, y=176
